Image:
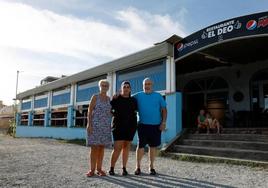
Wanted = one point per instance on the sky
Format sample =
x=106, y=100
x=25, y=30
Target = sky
x=42, y=38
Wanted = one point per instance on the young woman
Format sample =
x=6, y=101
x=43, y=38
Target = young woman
x=99, y=128
x=213, y=123
x=202, y=124
x=124, y=109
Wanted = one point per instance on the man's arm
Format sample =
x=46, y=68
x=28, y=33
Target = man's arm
x=164, y=119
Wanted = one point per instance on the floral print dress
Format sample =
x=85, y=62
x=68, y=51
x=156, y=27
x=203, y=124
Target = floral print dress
x=101, y=124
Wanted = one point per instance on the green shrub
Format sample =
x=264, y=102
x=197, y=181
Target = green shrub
x=12, y=128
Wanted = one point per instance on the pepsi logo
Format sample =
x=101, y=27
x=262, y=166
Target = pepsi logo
x=251, y=24
x=180, y=46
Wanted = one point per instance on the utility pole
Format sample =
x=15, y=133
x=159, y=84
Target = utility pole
x=15, y=105
x=17, y=83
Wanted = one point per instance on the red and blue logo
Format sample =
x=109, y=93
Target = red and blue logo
x=251, y=24
x=180, y=47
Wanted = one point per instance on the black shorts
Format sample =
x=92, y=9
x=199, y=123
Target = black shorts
x=124, y=134
x=149, y=134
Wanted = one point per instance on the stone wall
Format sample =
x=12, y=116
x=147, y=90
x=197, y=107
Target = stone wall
x=6, y=114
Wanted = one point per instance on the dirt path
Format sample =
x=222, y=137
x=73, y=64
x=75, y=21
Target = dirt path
x=50, y=163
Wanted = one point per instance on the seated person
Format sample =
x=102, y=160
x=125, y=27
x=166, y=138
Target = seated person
x=213, y=123
x=202, y=125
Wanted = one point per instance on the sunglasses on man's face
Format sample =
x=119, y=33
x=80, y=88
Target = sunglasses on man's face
x=126, y=87
x=104, y=85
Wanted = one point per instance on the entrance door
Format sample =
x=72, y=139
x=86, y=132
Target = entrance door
x=207, y=93
x=265, y=96
x=260, y=104
x=192, y=106
x=259, y=99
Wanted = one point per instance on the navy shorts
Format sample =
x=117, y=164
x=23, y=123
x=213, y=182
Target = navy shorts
x=149, y=134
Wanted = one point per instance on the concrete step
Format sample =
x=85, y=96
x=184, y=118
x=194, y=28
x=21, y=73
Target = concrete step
x=246, y=130
x=223, y=152
x=235, y=137
x=261, y=146
x=215, y=159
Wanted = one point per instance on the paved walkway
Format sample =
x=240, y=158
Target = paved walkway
x=50, y=163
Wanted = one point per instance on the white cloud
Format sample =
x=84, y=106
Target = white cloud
x=89, y=41
x=149, y=28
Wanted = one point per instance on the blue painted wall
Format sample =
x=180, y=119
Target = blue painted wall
x=174, y=124
x=51, y=132
x=70, y=116
x=47, y=118
x=18, y=119
x=157, y=73
x=174, y=118
x=30, y=118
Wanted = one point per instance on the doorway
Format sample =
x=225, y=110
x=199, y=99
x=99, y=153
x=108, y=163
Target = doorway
x=206, y=93
x=259, y=99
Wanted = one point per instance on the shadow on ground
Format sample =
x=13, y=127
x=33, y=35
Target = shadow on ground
x=160, y=180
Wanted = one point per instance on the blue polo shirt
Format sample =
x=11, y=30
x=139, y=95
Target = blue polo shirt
x=149, y=107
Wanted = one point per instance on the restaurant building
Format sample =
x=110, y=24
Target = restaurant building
x=223, y=68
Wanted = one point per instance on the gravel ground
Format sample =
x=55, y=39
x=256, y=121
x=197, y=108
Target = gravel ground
x=50, y=163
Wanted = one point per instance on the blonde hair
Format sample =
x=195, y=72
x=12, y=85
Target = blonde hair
x=103, y=81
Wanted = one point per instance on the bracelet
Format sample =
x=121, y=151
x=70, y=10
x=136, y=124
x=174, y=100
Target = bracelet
x=163, y=122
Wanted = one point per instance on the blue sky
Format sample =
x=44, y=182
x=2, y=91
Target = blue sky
x=56, y=37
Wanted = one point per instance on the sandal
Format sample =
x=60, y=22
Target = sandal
x=90, y=173
x=124, y=172
x=152, y=172
x=101, y=173
x=111, y=171
x=137, y=171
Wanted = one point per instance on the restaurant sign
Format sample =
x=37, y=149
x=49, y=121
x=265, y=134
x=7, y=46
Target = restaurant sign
x=250, y=25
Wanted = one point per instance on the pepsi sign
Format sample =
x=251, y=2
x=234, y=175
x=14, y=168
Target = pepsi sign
x=180, y=46
x=251, y=24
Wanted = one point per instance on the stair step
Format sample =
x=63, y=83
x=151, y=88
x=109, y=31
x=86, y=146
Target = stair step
x=223, y=152
x=235, y=137
x=217, y=159
x=262, y=131
x=262, y=146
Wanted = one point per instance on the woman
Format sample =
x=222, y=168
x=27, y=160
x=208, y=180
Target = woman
x=213, y=123
x=99, y=128
x=124, y=109
x=202, y=124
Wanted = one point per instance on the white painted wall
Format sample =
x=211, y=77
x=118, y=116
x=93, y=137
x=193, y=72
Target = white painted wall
x=229, y=74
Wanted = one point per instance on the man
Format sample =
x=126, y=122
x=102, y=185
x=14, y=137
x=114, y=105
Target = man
x=152, y=121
